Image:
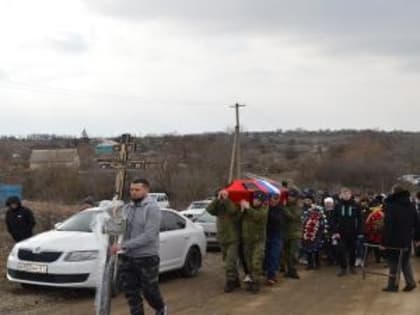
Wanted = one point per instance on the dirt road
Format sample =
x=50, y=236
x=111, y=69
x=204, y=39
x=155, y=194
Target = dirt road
x=318, y=292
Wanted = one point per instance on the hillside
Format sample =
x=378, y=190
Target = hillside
x=193, y=166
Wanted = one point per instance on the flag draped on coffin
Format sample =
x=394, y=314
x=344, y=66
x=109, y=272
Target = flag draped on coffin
x=243, y=189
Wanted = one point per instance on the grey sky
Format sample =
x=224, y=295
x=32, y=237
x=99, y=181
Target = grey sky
x=175, y=66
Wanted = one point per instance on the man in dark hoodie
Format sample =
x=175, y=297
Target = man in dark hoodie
x=19, y=220
x=401, y=226
x=347, y=226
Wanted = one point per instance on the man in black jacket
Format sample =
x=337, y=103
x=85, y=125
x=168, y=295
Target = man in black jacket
x=276, y=229
x=19, y=220
x=347, y=227
x=401, y=226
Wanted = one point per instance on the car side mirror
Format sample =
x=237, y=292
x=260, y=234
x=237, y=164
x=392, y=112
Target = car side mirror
x=57, y=225
x=181, y=225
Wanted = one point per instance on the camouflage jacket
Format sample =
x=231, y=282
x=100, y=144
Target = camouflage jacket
x=254, y=224
x=293, y=214
x=228, y=220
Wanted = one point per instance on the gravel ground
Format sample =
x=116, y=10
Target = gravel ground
x=318, y=292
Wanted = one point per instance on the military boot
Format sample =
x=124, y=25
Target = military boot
x=255, y=287
x=292, y=274
x=230, y=285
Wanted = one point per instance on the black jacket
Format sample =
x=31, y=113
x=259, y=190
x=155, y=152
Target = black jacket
x=401, y=224
x=347, y=219
x=20, y=223
x=276, y=222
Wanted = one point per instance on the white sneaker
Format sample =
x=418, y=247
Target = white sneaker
x=247, y=279
x=359, y=262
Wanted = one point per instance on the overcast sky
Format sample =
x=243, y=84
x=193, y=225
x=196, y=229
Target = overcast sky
x=151, y=67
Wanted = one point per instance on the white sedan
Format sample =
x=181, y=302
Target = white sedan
x=68, y=255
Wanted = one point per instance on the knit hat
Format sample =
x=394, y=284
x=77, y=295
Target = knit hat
x=13, y=200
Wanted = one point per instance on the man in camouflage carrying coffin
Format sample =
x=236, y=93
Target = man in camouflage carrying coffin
x=228, y=230
x=254, y=225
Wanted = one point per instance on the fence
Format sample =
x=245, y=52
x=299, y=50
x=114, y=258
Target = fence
x=9, y=190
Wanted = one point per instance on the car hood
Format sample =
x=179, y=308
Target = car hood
x=193, y=211
x=61, y=241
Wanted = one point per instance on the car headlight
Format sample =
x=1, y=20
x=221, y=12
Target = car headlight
x=81, y=255
x=14, y=252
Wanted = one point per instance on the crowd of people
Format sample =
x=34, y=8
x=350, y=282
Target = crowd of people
x=272, y=234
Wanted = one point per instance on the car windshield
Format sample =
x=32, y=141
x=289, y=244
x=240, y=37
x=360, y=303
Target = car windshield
x=80, y=222
x=158, y=197
x=206, y=218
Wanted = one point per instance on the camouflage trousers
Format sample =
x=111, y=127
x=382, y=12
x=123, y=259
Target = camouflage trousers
x=254, y=256
x=138, y=278
x=230, y=254
x=291, y=250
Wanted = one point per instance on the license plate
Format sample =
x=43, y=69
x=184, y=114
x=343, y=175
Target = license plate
x=33, y=268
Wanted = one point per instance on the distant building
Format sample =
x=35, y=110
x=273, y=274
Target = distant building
x=54, y=158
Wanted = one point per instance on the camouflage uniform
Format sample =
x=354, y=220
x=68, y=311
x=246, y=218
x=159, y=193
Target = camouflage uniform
x=228, y=220
x=254, y=224
x=293, y=215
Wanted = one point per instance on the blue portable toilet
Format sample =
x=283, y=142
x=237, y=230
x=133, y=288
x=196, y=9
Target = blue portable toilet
x=7, y=191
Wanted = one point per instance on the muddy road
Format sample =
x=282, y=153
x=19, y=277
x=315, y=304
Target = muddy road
x=318, y=292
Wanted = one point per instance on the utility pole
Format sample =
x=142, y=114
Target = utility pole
x=236, y=148
x=122, y=169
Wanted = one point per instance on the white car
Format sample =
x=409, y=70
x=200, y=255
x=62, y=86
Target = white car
x=208, y=222
x=162, y=199
x=68, y=255
x=201, y=204
x=196, y=209
x=193, y=214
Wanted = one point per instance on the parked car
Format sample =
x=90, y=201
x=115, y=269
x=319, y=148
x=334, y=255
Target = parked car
x=208, y=222
x=162, y=199
x=196, y=209
x=201, y=204
x=193, y=214
x=68, y=255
